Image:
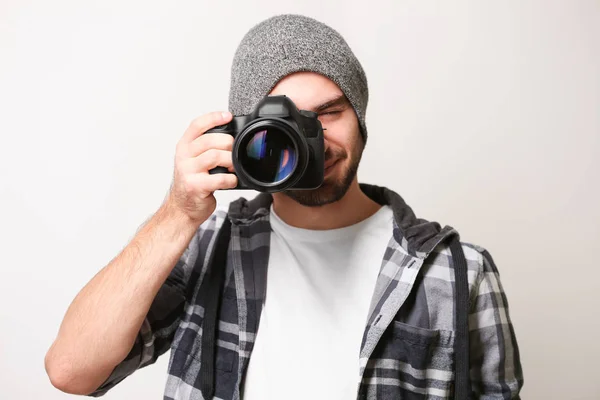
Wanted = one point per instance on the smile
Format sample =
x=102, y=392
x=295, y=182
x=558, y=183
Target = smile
x=331, y=166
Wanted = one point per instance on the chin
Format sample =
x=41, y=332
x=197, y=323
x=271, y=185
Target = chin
x=333, y=189
x=335, y=184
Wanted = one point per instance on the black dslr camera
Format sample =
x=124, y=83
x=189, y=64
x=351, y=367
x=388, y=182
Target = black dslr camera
x=276, y=147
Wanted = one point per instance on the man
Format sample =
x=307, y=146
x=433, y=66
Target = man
x=334, y=293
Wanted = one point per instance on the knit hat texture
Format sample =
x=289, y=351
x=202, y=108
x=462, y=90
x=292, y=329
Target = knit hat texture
x=289, y=43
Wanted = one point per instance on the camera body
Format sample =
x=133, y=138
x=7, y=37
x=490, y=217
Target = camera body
x=276, y=147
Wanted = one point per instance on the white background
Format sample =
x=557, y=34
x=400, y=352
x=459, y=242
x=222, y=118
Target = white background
x=483, y=115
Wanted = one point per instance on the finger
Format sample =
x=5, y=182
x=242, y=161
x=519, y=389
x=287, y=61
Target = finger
x=207, y=121
x=210, y=159
x=220, y=141
x=206, y=184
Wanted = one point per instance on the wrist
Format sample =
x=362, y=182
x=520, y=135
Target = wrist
x=176, y=222
x=170, y=210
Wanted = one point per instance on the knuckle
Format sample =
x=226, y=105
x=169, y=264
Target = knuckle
x=224, y=157
x=223, y=180
x=211, y=157
x=197, y=124
x=179, y=161
x=183, y=165
x=180, y=150
x=200, y=146
x=233, y=181
x=215, y=116
x=194, y=122
x=187, y=184
x=177, y=170
x=206, y=121
x=201, y=122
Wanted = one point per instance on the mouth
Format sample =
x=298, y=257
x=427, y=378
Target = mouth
x=329, y=165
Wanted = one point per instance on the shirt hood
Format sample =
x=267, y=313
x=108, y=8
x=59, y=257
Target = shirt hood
x=417, y=236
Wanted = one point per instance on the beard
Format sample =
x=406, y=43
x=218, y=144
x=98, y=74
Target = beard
x=333, y=188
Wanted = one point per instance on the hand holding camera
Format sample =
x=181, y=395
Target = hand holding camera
x=196, y=153
x=274, y=148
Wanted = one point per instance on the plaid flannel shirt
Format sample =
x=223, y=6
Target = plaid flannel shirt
x=407, y=347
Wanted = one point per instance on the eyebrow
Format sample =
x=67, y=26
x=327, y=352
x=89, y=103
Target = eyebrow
x=338, y=101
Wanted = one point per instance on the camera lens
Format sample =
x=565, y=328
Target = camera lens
x=268, y=155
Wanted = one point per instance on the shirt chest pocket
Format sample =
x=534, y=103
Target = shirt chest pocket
x=411, y=362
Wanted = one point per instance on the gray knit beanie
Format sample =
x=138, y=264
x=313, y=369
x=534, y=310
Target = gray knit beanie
x=291, y=43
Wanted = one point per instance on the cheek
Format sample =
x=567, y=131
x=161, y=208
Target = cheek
x=340, y=133
x=337, y=146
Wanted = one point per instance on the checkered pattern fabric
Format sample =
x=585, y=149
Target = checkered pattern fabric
x=407, y=347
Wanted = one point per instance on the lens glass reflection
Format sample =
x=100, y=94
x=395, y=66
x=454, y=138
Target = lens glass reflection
x=269, y=155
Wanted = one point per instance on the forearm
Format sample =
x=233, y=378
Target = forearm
x=102, y=323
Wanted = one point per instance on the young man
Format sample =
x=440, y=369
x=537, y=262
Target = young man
x=334, y=293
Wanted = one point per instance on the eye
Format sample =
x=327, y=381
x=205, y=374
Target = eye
x=330, y=113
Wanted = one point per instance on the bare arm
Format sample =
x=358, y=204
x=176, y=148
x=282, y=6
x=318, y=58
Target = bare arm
x=103, y=321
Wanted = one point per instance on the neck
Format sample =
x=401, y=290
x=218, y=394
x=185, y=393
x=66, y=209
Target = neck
x=354, y=207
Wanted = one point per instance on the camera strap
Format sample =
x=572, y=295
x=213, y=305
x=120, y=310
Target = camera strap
x=462, y=384
x=215, y=278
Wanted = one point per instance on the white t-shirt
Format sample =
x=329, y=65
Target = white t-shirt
x=319, y=290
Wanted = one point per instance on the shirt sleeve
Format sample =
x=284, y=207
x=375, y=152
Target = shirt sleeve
x=496, y=371
x=158, y=329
